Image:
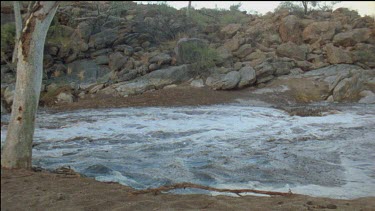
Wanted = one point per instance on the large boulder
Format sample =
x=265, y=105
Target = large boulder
x=161, y=59
x=83, y=72
x=102, y=60
x=290, y=29
x=337, y=55
x=324, y=30
x=244, y=50
x=350, y=38
x=224, y=57
x=189, y=50
x=126, y=49
x=291, y=50
x=84, y=30
x=234, y=43
x=282, y=66
x=248, y=76
x=348, y=89
x=154, y=80
x=368, y=97
x=116, y=61
x=230, y=30
x=103, y=39
x=340, y=83
x=258, y=57
x=364, y=53
x=224, y=81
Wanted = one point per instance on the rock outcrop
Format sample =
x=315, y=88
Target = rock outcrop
x=144, y=48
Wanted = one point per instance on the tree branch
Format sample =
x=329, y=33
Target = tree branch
x=191, y=185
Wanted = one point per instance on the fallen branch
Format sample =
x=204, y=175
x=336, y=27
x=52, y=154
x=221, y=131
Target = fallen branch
x=190, y=185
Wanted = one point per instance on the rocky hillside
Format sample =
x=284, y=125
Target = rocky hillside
x=125, y=49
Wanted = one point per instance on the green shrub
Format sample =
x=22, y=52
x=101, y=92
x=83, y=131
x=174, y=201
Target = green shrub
x=164, y=9
x=202, y=57
x=205, y=17
x=8, y=35
x=235, y=7
x=118, y=8
x=233, y=17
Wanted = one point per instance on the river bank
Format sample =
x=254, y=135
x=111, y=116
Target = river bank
x=28, y=190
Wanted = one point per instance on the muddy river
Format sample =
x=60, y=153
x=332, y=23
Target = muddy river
x=223, y=146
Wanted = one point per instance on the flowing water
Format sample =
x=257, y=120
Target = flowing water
x=223, y=146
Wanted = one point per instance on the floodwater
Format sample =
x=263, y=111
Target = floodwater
x=223, y=146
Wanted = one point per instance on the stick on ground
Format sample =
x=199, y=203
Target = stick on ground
x=191, y=185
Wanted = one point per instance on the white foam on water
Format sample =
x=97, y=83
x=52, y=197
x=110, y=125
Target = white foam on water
x=224, y=146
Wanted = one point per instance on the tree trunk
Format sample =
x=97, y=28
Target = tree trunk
x=188, y=9
x=18, y=144
x=18, y=19
x=305, y=3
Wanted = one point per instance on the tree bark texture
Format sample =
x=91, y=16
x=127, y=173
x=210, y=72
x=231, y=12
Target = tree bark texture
x=18, y=20
x=17, y=150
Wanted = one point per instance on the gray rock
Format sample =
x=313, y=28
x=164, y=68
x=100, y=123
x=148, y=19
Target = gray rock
x=130, y=75
x=350, y=38
x=291, y=50
x=290, y=29
x=154, y=80
x=126, y=49
x=161, y=59
x=102, y=60
x=84, y=31
x=230, y=30
x=101, y=52
x=198, y=83
x=342, y=82
x=116, y=61
x=248, y=76
x=224, y=82
x=103, y=39
x=96, y=88
x=82, y=72
x=222, y=70
x=368, y=97
x=337, y=55
x=234, y=43
x=64, y=97
x=244, y=50
x=364, y=53
x=348, y=88
x=282, y=67
x=153, y=67
x=265, y=79
x=324, y=30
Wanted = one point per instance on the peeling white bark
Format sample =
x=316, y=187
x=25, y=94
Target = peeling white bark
x=17, y=150
x=18, y=19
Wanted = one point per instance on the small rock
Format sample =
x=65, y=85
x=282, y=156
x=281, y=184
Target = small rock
x=170, y=86
x=197, y=83
x=64, y=97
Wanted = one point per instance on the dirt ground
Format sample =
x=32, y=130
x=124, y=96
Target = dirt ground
x=178, y=96
x=29, y=190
